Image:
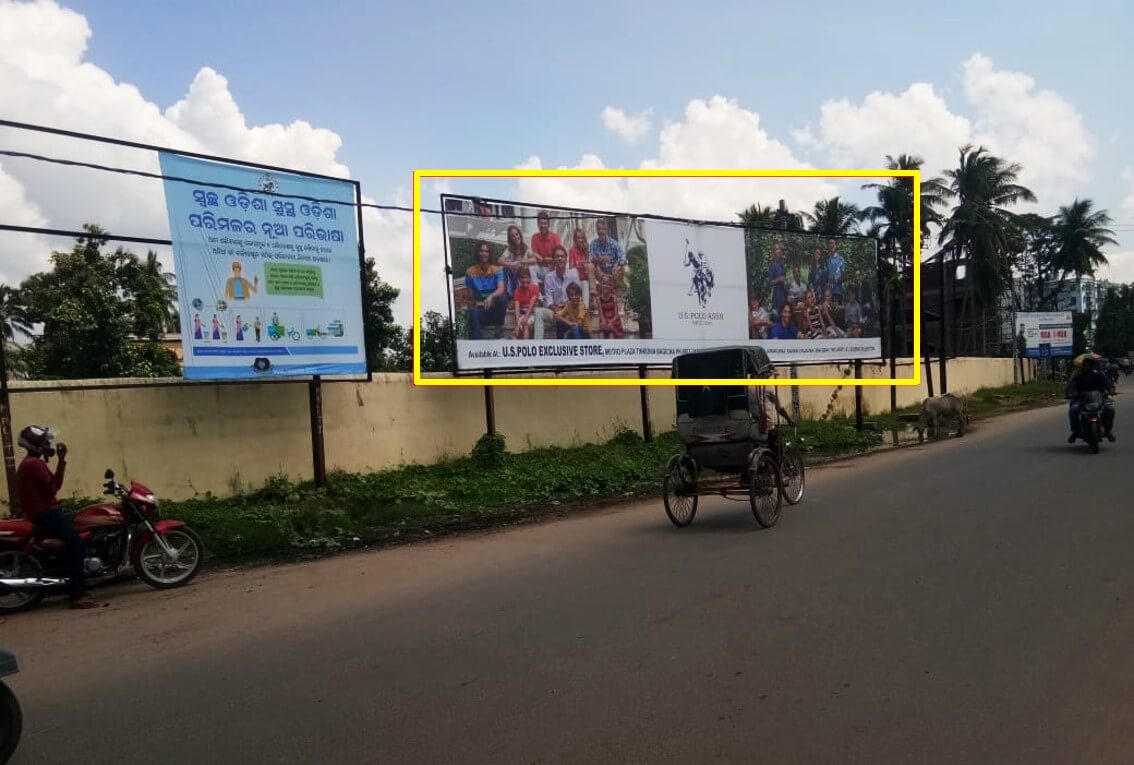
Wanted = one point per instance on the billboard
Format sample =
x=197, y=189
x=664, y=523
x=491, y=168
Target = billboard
x=1045, y=334
x=267, y=285
x=556, y=287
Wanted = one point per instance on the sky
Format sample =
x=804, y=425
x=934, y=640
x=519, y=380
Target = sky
x=371, y=91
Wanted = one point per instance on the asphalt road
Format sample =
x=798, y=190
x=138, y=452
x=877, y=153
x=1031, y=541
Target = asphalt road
x=968, y=601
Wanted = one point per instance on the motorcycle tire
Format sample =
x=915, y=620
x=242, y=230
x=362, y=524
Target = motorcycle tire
x=144, y=576
x=30, y=568
x=1093, y=437
x=11, y=723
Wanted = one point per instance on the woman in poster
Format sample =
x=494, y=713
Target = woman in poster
x=519, y=256
x=579, y=259
x=216, y=327
x=198, y=327
x=485, y=282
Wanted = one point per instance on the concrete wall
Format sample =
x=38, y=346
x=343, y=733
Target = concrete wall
x=189, y=440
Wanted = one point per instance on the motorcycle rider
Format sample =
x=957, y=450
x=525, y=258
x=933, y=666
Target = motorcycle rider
x=1089, y=378
x=38, y=487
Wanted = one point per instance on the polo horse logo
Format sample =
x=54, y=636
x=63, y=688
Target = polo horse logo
x=702, y=281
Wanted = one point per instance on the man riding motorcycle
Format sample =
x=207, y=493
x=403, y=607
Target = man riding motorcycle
x=1089, y=378
x=38, y=487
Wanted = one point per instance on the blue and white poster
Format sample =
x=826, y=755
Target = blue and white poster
x=268, y=283
x=1045, y=334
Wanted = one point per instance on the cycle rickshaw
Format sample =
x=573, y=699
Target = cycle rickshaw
x=733, y=445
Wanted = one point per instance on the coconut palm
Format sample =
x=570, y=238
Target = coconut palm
x=758, y=215
x=1081, y=232
x=15, y=323
x=153, y=293
x=833, y=217
x=892, y=220
x=979, y=230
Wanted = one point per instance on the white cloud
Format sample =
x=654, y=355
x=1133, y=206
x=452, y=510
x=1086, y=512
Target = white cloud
x=45, y=79
x=631, y=128
x=1007, y=114
x=210, y=113
x=916, y=121
x=715, y=134
x=1037, y=128
x=1119, y=268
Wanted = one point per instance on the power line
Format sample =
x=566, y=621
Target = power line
x=576, y=215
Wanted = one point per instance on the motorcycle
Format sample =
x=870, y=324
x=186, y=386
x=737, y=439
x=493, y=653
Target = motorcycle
x=11, y=717
x=122, y=538
x=1090, y=419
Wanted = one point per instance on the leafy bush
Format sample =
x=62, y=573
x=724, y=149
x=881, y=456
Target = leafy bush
x=489, y=449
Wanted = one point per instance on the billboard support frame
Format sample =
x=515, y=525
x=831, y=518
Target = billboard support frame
x=455, y=377
x=314, y=382
x=644, y=392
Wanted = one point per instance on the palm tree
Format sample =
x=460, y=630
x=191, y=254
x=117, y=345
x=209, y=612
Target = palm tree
x=153, y=293
x=14, y=321
x=979, y=229
x=167, y=286
x=892, y=222
x=758, y=215
x=833, y=217
x=1080, y=234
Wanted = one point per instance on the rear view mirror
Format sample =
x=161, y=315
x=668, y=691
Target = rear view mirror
x=108, y=475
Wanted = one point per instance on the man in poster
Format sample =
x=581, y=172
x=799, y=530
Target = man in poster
x=545, y=240
x=607, y=254
x=554, y=291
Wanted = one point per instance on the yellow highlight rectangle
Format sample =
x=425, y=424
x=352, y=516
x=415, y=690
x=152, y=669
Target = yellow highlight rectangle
x=418, y=175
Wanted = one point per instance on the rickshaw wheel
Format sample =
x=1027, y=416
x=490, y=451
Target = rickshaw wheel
x=764, y=492
x=791, y=476
x=678, y=489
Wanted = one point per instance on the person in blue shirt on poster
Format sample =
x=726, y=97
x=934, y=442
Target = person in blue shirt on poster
x=784, y=329
x=777, y=273
x=485, y=282
x=606, y=253
x=836, y=267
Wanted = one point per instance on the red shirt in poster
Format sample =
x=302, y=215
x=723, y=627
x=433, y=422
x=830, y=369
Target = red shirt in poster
x=545, y=244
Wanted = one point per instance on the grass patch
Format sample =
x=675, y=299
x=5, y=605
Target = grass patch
x=986, y=401
x=491, y=485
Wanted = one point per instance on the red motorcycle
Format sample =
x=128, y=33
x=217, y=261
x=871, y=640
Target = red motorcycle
x=120, y=537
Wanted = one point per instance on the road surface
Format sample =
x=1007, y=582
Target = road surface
x=967, y=601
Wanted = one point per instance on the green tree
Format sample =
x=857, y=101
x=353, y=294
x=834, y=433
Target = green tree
x=86, y=304
x=833, y=217
x=1080, y=233
x=892, y=223
x=758, y=215
x=978, y=230
x=436, y=343
x=638, y=290
x=383, y=334
x=152, y=295
x=1033, y=249
x=1114, y=330
x=786, y=220
x=13, y=319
